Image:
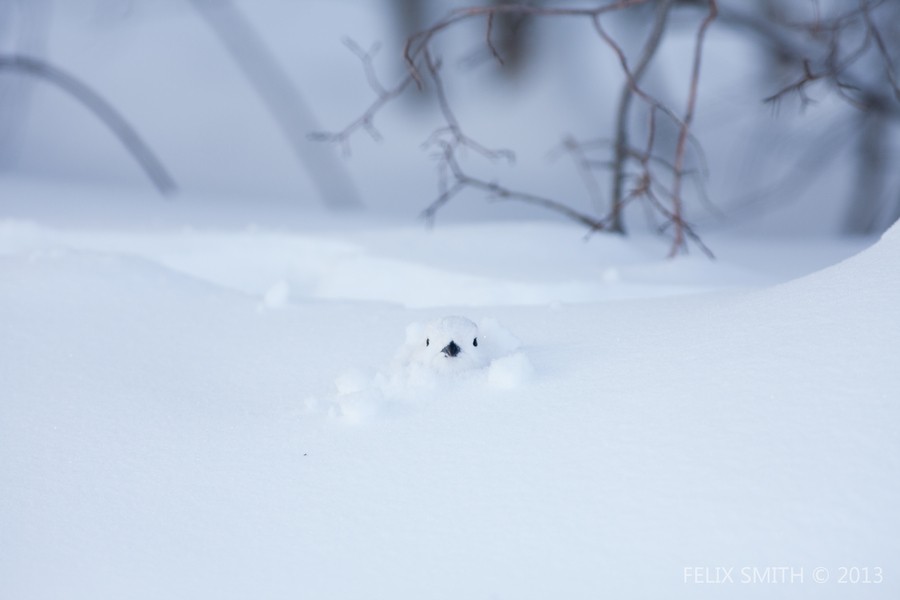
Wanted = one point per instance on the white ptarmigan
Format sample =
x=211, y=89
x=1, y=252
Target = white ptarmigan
x=445, y=344
x=437, y=355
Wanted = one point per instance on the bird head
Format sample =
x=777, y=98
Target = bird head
x=449, y=343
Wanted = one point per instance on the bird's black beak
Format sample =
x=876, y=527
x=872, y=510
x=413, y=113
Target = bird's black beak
x=451, y=349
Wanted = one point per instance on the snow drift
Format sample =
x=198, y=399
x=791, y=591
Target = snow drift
x=154, y=440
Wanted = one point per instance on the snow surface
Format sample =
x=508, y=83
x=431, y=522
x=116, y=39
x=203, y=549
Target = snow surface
x=168, y=425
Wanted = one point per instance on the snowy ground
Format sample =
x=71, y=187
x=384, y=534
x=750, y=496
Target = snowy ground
x=167, y=422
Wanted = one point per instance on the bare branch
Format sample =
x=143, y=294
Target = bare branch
x=621, y=144
x=451, y=139
x=680, y=228
x=416, y=43
x=102, y=109
x=653, y=103
x=367, y=60
x=462, y=180
x=798, y=87
x=835, y=68
x=281, y=98
x=882, y=48
x=584, y=165
x=383, y=96
x=488, y=39
x=459, y=138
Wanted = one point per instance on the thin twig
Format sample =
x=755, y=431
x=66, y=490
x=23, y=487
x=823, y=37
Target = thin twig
x=462, y=180
x=882, y=48
x=416, y=43
x=365, y=121
x=621, y=143
x=584, y=166
x=460, y=139
x=282, y=98
x=489, y=40
x=677, y=210
x=425, y=69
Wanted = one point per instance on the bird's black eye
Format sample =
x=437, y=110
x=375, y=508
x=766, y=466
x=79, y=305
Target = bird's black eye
x=427, y=341
x=475, y=342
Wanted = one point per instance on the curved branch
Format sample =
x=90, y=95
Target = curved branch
x=281, y=98
x=102, y=109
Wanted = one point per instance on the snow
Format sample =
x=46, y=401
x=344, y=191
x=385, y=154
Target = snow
x=218, y=412
x=510, y=372
x=226, y=395
x=277, y=295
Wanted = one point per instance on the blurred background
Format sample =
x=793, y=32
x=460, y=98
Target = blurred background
x=224, y=94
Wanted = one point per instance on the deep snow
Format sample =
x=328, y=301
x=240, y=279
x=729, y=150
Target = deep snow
x=162, y=431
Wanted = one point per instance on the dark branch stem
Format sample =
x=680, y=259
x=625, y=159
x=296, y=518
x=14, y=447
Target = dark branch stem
x=366, y=120
x=462, y=180
x=419, y=41
x=621, y=142
x=451, y=138
x=102, y=109
x=882, y=48
x=678, y=241
x=281, y=97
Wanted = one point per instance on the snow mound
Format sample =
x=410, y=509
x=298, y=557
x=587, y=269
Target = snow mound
x=509, y=372
x=277, y=296
x=436, y=357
